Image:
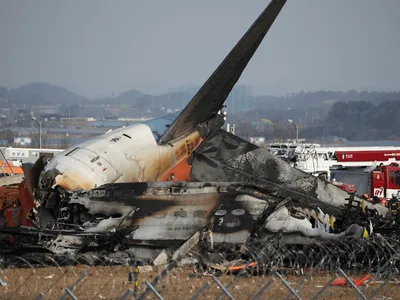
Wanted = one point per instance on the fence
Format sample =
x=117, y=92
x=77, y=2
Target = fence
x=275, y=271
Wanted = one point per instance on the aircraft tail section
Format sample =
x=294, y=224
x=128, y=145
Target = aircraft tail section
x=212, y=95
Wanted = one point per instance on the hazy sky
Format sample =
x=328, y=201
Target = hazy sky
x=97, y=47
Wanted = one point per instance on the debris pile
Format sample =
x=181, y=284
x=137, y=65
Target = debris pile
x=234, y=222
x=117, y=198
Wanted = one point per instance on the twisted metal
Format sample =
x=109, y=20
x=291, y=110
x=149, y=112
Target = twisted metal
x=268, y=266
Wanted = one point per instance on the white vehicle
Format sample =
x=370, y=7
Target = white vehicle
x=322, y=160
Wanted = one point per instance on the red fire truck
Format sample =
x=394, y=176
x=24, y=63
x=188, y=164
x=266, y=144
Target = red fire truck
x=385, y=181
x=354, y=167
x=348, y=187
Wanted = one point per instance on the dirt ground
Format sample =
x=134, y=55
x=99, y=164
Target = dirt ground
x=180, y=283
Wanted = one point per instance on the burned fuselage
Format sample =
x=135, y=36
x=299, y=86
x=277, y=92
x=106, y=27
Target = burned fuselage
x=128, y=154
x=161, y=214
x=105, y=192
x=142, y=153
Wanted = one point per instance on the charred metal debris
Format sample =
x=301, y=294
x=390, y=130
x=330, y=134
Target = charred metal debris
x=235, y=201
x=212, y=223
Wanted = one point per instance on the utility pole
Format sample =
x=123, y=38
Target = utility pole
x=296, y=127
x=40, y=131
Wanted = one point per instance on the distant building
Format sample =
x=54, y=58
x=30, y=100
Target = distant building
x=70, y=110
x=50, y=118
x=40, y=110
x=240, y=99
x=257, y=140
x=22, y=141
x=262, y=124
x=111, y=118
x=24, y=117
x=74, y=120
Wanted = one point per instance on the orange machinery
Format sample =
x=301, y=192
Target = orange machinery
x=10, y=168
x=15, y=204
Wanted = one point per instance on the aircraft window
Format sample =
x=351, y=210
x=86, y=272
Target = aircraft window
x=200, y=213
x=94, y=159
x=256, y=211
x=180, y=213
x=398, y=178
x=238, y=212
x=124, y=134
x=72, y=151
x=220, y=212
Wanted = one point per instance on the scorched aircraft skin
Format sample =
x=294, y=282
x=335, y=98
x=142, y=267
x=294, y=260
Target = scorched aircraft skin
x=135, y=153
x=165, y=214
x=108, y=185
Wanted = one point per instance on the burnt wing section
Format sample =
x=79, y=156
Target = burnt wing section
x=226, y=158
x=210, y=98
x=223, y=145
x=208, y=159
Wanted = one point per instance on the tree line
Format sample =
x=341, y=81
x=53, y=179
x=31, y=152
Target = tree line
x=352, y=120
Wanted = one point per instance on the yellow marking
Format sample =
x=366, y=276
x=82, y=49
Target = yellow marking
x=365, y=233
x=332, y=220
x=363, y=206
x=136, y=271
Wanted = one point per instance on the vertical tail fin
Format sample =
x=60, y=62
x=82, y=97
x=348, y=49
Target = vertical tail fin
x=210, y=98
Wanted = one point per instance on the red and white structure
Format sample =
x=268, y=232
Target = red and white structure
x=383, y=163
x=318, y=160
x=314, y=159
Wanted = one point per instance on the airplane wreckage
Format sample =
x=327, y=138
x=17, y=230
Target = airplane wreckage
x=182, y=180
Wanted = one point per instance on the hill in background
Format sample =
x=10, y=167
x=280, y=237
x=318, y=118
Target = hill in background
x=40, y=94
x=351, y=114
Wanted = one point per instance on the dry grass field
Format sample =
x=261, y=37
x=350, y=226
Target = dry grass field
x=180, y=283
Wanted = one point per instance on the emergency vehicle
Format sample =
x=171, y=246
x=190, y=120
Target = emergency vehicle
x=385, y=181
x=348, y=187
x=373, y=170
